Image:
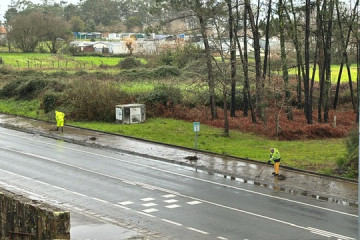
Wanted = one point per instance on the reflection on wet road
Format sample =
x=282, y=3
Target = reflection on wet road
x=146, y=197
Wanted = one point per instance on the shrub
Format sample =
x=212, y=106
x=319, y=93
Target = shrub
x=349, y=164
x=166, y=95
x=59, y=74
x=5, y=70
x=181, y=58
x=30, y=89
x=134, y=74
x=49, y=102
x=94, y=100
x=143, y=73
x=11, y=89
x=166, y=71
x=129, y=63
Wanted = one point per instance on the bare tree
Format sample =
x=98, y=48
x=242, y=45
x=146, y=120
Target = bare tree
x=260, y=108
x=244, y=62
x=344, y=59
x=26, y=30
x=284, y=60
x=232, y=58
x=307, y=106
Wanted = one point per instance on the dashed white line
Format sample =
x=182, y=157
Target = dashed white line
x=171, y=201
x=193, y=202
x=222, y=238
x=149, y=204
x=149, y=215
x=175, y=223
x=172, y=206
x=150, y=210
x=100, y=200
x=197, y=230
x=147, y=199
x=166, y=171
x=168, y=196
x=126, y=203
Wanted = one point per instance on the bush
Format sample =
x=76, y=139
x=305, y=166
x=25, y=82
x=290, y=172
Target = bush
x=94, y=100
x=4, y=70
x=142, y=73
x=59, y=74
x=30, y=89
x=190, y=53
x=11, y=88
x=49, y=102
x=166, y=95
x=129, y=63
x=349, y=164
x=166, y=71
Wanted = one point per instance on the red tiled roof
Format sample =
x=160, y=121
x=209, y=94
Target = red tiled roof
x=2, y=30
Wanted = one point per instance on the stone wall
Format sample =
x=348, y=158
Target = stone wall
x=22, y=218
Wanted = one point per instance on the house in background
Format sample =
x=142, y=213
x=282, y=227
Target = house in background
x=3, y=33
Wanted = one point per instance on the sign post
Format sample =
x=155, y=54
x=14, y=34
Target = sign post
x=196, y=126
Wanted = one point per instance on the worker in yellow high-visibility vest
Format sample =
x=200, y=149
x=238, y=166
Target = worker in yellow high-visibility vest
x=275, y=156
x=59, y=120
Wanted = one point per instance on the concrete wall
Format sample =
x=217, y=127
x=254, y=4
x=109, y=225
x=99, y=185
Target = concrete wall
x=22, y=218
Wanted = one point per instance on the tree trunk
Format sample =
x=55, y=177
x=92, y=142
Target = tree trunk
x=322, y=57
x=226, y=118
x=327, y=51
x=307, y=105
x=344, y=59
x=260, y=107
x=267, y=31
x=232, y=59
x=299, y=60
x=244, y=61
x=283, y=61
x=211, y=81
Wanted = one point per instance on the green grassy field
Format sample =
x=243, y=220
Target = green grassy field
x=41, y=61
x=47, y=61
x=334, y=73
x=298, y=154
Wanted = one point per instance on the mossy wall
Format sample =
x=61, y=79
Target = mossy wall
x=22, y=218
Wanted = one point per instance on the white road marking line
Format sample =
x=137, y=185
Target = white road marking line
x=222, y=238
x=168, y=196
x=147, y=199
x=129, y=182
x=197, y=230
x=149, y=215
x=98, y=199
x=175, y=223
x=173, y=206
x=177, y=174
x=119, y=206
x=126, y=203
x=149, y=204
x=171, y=201
x=327, y=234
x=150, y=210
x=193, y=202
x=211, y=203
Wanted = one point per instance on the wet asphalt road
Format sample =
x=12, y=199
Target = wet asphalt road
x=146, y=197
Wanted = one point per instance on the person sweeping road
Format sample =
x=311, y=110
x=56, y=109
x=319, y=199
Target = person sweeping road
x=59, y=120
x=275, y=157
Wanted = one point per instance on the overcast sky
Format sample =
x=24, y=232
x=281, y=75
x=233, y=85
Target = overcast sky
x=4, y=5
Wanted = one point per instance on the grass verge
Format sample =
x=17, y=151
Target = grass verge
x=315, y=155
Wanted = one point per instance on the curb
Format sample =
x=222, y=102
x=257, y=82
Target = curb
x=243, y=179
